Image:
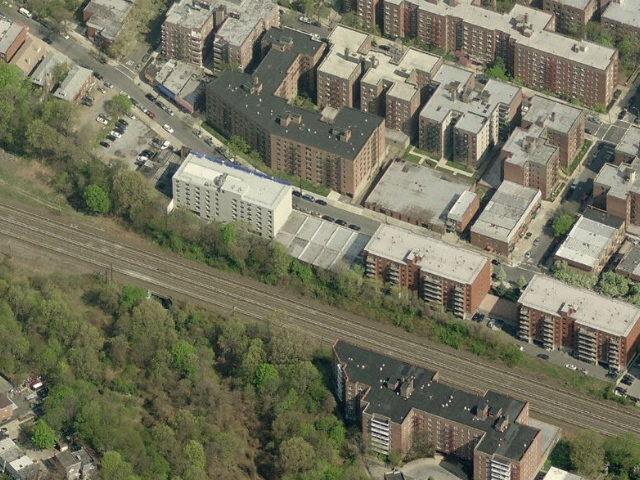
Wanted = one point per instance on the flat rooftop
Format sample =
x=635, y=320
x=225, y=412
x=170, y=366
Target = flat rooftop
x=453, y=94
x=626, y=12
x=417, y=192
x=250, y=13
x=461, y=206
x=528, y=145
x=187, y=15
x=9, y=32
x=618, y=179
x=557, y=474
x=71, y=86
x=592, y=310
x=174, y=75
x=337, y=63
x=630, y=263
x=587, y=242
x=252, y=186
x=630, y=142
x=506, y=211
x=317, y=242
x=436, y=257
x=553, y=115
x=108, y=16
x=384, y=376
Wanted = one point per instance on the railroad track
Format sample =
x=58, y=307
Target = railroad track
x=208, y=286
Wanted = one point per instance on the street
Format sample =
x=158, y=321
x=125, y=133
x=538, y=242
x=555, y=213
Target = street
x=368, y=225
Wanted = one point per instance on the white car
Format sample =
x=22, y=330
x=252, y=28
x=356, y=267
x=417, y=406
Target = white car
x=115, y=134
x=102, y=120
x=165, y=145
x=167, y=128
x=571, y=366
x=65, y=35
x=142, y=158
x=305, y=20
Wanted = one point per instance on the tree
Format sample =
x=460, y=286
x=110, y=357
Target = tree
x=238, y=145
x=587, y=453
x=498, y=70
x=43, y=436
x=623, y=454
x=501, y=276
x=60, y=72
x=129, y=193
x=562, y=224
x=613, y=284
x=522, y=282
x=97, y=200
x=266, y=379
x=114, y=467
x=183, y=358
x=296, y=455
x=119, y=105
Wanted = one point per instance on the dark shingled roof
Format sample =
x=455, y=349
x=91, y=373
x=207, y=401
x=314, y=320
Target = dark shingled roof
x=4, y=401
x=602, y=217
x=630, y=261
x=375, y=369
x=266, y=109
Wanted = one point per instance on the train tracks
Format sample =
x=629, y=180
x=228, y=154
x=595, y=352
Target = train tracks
x=206, y=285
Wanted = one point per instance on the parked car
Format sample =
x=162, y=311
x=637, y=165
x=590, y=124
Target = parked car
x=543, y=356
x=328, y=218
x=150, y=114
x=111, y=137
x=354, y=227
x=305, y=20
x=583, y=370
x=105, y=144
x=47, y=40
x=97, y=75
x=296, y=193
x=109, y=85
x=321, y=202
x=528, y=254
x=495, y=262
x=536, y=242
x=151, y=97
x=622, y=114
x=571, y=366
x=167, y=128
x=166, y=144
x=341, y=222
x=119, y=130
x=102, y=120
x=115, y=133
x=478, y=318
x=122, y=121
x=209, y=141
x=491, y=323
x=131, y=116
x=309, y=198
x=528, y=235
x=102, y=90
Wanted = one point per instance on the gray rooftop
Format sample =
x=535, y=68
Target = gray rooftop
x=630, y=264
x=520, y=154
x=9, y=31
x=555, y=116
x=267, y=109
x=380, y=372
x=630, y=142
x=434, y=256
x=581, y=4
x=190, y=14
x=417, y=192
x=477, y=107
x=108, y=16
x=626, y=12
x=506, y=211
x=180, y=78
x=71, y=85
x=42, y=74
x=619, y=180
x=592, y=310
x=587, y=242
x=461, y=206
x=251, y=12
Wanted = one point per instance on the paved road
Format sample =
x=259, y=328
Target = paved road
x=165, y=273
x=368, y=225
x=123, y=79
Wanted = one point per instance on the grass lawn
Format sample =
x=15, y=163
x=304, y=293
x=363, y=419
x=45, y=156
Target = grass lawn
x=579, y=157
x=214, y=132
x=412, y=158
x=457, y=165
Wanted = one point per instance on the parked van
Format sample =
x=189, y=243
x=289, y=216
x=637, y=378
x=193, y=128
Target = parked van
x=25, y=12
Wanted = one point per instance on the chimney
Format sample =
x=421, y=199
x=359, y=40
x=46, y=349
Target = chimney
x=257, y=85
x=553, y=116
x=502, y=424
x=529, y=143
x=347, y=52
x=406, y=388
x=630, y=175
x=482, y=411
x=526, y=18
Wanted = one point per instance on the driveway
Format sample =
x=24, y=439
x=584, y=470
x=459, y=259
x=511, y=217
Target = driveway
x=439, y=468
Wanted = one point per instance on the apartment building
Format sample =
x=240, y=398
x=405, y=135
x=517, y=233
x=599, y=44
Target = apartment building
x=617, y=191
x=592, y=241
x=399, y=405
x=390, y=83
x=527, y=159
x=463, y=123
x=339, y=149
x=12, y=37
x=187, y=30
x=628, y=148
x=523, y=38
x=505, y=218
x=595, y=328
x=75, y=84
x=236, y=37
x=225, y=192
x=105, y=19
x=421, y=196
x=42, y=76
x=621, y=17
x=561, y=125
x=454, y=278
x=571, y=15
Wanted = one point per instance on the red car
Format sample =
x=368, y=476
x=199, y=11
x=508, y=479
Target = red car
x=150, y=114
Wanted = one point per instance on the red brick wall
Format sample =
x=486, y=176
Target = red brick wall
x=480, y=287
x=15, y=46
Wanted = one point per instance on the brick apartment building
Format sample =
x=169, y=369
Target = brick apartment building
x=105, y=19
x=594, y=328
x=399, y=405
x=341, y=150
x=562, y=125
x=571, y=15
x=621, y=17
x=523, y=38
x=464, y=124
x=236, y=38
x=455, y=278
x=12, y=37
x=392, y=84
x=505, y=218
x=187, y=31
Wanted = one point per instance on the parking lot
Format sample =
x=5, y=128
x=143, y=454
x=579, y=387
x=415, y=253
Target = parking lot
x=137, y=137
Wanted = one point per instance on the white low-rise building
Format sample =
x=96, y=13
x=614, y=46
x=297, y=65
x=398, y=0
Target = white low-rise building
x=225, y=192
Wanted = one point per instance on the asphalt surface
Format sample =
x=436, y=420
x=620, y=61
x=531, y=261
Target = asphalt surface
x=368, y=226
x=122, y=78
x=166, y=273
